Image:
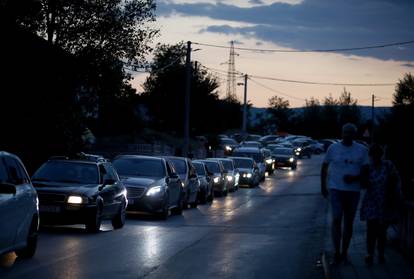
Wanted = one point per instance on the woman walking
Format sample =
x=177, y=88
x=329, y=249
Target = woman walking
x=380, y=204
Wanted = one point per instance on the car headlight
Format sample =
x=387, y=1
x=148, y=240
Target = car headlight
x=229, y=178
x=228, y=148
x=299, y=149
x=154, y=190
x=269, y=161
x=291, y=160
x=75, y=200
x=216, y=180
x=249, y=175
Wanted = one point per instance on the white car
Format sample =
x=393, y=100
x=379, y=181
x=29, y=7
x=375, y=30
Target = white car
x=19, y=212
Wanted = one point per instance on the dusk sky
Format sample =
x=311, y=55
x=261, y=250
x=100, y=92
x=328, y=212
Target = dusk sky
x=296, y=25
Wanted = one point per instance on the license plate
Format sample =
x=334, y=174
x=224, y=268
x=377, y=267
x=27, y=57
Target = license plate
x=49, y=208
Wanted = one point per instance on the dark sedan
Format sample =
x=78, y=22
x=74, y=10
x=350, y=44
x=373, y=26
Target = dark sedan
x=206, y=182
x=80, y=191
x=284, y=157
x=218, y=176
x=152, y=184
x=248, y=171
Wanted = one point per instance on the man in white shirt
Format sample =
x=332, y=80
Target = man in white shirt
x=344, y=168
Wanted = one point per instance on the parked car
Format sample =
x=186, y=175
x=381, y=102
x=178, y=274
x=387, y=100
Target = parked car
x=19, y=215
x=232, y=179
x=218, y=175
x=284, y=157
x=256, y=154
x=81, y=190
x=317, y=148
x=206, y=182
x=326, y=143
x=152, y=184
x=269, y=161
x=248, y=171
x=188, y=176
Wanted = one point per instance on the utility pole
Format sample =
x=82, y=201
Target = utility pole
x=187, y=101
x=372, y=118
x=245, y=105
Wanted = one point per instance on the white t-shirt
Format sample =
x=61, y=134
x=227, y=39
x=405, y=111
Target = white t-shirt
x=345, y=160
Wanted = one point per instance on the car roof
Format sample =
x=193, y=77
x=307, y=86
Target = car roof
x=248, y=149
x=138, y=157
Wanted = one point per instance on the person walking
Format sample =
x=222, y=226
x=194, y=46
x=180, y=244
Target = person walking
x=344, y=167
x=380, y=203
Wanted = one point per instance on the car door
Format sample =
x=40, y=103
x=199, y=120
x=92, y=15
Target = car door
x=194, y=183
x=107, y=192
x=174, y=184
x=117, y=188
x=8, y=210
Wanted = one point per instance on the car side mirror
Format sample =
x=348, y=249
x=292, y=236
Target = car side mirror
x=7, y=188
x=106, y=182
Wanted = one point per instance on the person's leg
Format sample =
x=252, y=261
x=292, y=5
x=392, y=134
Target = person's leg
x=371, y=239
x=350, y=204
x=382, y=238
x=337, y=213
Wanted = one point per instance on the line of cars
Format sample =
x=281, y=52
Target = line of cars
x=88, y=189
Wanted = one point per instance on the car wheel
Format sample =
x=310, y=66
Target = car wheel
x=203, y=197
x=94, y=223
x=211, y=196
x=194, y=204
x=165, y=211
x=293, y=167
x=180, y=205
x=119, y=220
x=225, y=192
x=31, y=245
x=186, y=198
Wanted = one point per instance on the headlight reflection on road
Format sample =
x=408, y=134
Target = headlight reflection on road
x=151, y=247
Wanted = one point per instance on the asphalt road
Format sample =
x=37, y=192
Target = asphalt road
x=273, y=231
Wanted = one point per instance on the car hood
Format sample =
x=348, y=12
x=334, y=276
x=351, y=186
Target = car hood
x=65, y=188
x=283, y=157
x=242, y=170
x=140, y=181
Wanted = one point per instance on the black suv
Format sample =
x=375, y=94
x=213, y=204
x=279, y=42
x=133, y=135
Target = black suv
x=81, y=190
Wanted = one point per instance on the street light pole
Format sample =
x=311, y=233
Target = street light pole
x=187, y=101
x=245, y=105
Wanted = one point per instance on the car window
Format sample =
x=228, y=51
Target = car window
x=67, y=172
x=200, y=169
x=16, y=173
x=228, y=165
x=4, y=177
x=110, y=172
x=180, y=165
x=170, y=170
x=213, y=167
x=139, y=167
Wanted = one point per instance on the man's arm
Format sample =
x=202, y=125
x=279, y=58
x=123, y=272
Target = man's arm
x=324, y=175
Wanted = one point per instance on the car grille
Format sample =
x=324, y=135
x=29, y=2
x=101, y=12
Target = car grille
x=46, y=198
x=135, y=192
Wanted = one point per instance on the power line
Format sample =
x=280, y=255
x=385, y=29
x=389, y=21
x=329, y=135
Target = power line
x=323, y=83
x=276, y=91
x=311, y=50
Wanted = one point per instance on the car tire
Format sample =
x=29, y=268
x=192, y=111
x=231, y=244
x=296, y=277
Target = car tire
x=31, y=245
x=210, y=198
x=225, y=193
x=93, y=225
x=194, y=204
x=180, y=205
x=165, y=211
x=293, y=167
x=203, y=197
x=119, y=220
x=185, y=201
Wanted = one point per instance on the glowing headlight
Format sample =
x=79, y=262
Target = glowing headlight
x=154, y=190
x=182, y=184
x=299, y=149
x=216, y=180
x=229, y=178
x=269, y=161
x=249, y=175
x=75, y=200
x=228, y=148
x=291, y=160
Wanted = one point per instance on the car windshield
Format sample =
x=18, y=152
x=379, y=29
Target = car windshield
x=257, y=157
x=213, y=167
x=67, y=172
x=227, y=165
x=228, y=141
x=282, y=151
x=200, y=169
x=243, y=163
x=139, y=167
x=180, y=165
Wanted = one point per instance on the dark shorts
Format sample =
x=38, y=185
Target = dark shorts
x=344, y=203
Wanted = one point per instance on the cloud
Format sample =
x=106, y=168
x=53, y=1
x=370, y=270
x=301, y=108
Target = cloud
x=314, y=24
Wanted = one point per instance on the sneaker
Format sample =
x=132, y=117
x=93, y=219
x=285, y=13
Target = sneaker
x=369, y=260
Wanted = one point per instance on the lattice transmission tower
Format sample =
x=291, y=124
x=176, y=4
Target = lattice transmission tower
x=231, y=73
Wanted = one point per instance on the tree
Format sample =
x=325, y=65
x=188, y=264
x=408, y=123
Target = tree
x=329, y=118
x=279, y=112
x=404, y=92
x=164, y=93
x=312, y=118
x=348, y=109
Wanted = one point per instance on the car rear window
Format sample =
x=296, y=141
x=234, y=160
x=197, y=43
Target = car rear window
x=243, y=163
